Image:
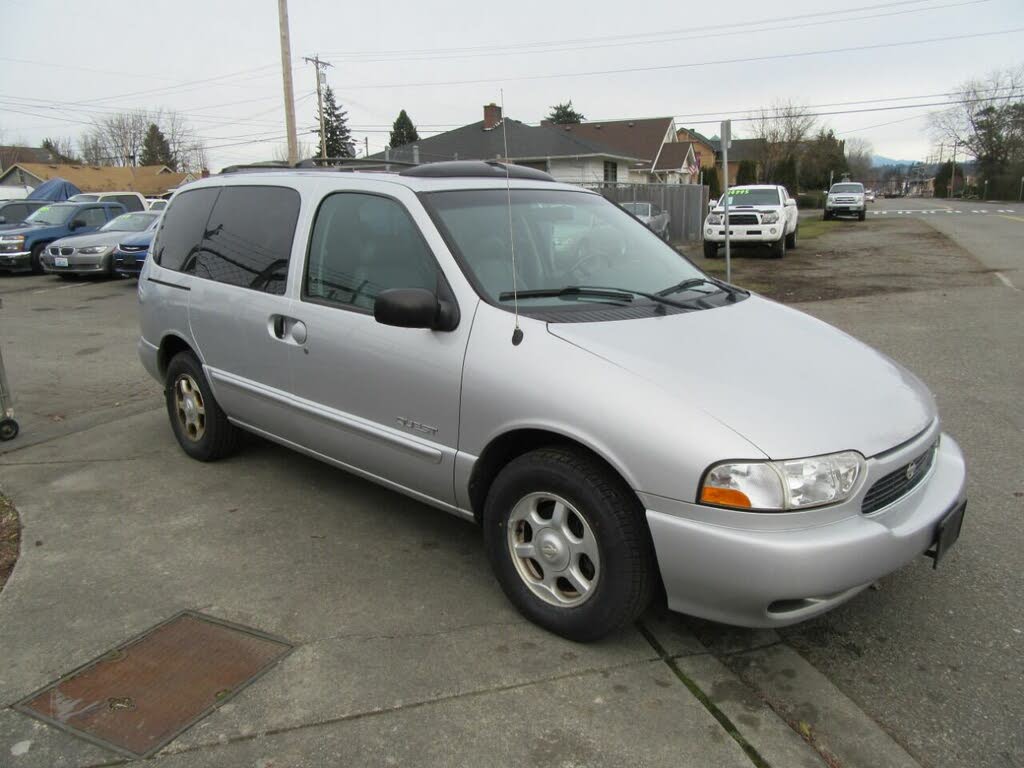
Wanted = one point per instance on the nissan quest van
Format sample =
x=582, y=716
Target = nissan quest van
x=528, y=356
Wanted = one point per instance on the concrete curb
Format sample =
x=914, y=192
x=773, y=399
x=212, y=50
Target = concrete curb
x=823, y=714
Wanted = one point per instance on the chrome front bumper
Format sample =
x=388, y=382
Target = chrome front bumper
x=770, y=570
x=18, y=260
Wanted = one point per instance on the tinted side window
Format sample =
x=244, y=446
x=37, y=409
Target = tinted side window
x=14, y=212
x=248, y=239
x=362, y=245
x=130, y=202
x=183, y=226
x=93, y=217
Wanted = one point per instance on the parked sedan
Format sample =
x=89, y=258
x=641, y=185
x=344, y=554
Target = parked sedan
x=131, y=253
x=93, y=254
x=656, y=219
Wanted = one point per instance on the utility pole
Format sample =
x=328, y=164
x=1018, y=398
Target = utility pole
x=726, y=141
x=367, y=140
x=952, y=172
x=286, y=74
x=321, y=77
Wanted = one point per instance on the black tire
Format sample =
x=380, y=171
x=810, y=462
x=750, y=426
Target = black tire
x=35, y=260
x=791, y=237
x=862, y=215
x=710, y=250
x=8, y=429
x=826, y=216
x=218, y=438
x=625, y=583
x=779, y=248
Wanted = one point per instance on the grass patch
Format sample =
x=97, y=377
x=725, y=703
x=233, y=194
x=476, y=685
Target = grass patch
x=816, y=227
x=10, y=538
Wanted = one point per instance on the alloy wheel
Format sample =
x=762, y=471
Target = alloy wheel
x=190, y=407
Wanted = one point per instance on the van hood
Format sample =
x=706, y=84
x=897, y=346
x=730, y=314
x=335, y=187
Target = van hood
x=787, y=382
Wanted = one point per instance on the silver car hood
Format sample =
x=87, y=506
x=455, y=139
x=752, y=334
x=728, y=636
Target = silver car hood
x=790, y=384
x=111, y=237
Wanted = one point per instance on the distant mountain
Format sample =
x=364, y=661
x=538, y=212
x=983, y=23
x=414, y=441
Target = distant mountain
x=880, y=161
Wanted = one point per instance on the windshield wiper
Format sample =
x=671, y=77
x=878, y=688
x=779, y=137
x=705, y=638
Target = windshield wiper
x=588, y=291
x=568, y=291
x=693, y=282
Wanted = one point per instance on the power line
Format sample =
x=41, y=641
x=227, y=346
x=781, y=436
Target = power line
x=635, y=35
x=729, y=30
x=691, y=65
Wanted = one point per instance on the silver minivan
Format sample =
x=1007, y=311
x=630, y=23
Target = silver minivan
x=528, y=356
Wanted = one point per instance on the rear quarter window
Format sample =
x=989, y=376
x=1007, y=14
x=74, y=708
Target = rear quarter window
x=248, y=239
x=130, y=202
x=182, y=229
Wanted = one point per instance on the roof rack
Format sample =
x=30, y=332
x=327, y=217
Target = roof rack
x=487, y=169
x=319, y=164
x=483, y=169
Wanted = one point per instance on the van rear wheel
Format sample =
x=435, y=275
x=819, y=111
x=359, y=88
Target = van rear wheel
x=568, y=542
x=201, y=427
x=710, y=250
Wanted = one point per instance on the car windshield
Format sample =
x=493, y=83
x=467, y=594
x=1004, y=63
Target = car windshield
x=130, y=222
x=742, y=196
x=847, y=188
x=562, y=239
x=84, y=198
x=638, y=209
x=52, y=215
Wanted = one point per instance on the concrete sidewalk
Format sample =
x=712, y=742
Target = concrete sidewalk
x=407, y=653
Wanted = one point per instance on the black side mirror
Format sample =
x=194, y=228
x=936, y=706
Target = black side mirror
x=77, y=224
x=413, y=308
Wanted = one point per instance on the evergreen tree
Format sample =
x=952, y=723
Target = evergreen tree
x=156, y=150
x=403, y=131
x=714, y=185
x=746, y=173
x=337, y=138
x=564, y=114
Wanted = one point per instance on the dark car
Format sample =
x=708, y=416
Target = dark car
x=14, y=212
x=131, y=253
x=21, y=248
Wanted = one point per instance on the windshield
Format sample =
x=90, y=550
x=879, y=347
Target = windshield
x=638, y=209
x=847, y=188
x=751, y=197
x=561, y=239
x=84, y=198
x=130, y=222
x=52, y=215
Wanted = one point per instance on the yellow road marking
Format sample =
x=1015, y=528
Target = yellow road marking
x=1011, y=218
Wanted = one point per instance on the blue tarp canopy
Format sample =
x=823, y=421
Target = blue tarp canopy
x=56, y=190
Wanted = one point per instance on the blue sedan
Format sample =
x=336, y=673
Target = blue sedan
x=131, y=253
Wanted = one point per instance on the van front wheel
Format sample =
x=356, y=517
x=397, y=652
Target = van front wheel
x=569, y=544
x=201, y=427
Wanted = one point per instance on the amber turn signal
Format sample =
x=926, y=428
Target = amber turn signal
x=726, y=497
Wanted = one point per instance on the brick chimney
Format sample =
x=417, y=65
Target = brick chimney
x=492, y=116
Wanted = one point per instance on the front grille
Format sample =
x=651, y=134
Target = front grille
x=132, y=248
x=743, y=218
x=899, y=483
x=65, y=251
x=54, y=250
x=846, y=199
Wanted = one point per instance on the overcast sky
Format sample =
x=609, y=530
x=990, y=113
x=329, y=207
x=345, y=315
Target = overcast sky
x=218, y=63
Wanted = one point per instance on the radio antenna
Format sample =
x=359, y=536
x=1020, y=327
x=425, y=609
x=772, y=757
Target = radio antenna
x=517, y=334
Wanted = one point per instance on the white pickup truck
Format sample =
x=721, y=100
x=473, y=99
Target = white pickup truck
x=759, y=214
x=846, y=199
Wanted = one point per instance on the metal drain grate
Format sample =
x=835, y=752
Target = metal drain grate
x=141, y=695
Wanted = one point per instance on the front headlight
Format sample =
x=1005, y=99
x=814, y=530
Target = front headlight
x=831, y=198
x=779, y=486
x=12, y=239
x=92, y=250
x=714, y=218
x=769, y=218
